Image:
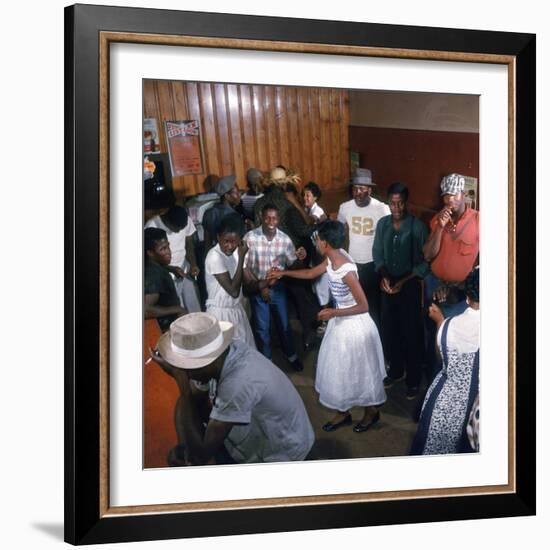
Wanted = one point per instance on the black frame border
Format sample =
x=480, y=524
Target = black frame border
x=83, y=524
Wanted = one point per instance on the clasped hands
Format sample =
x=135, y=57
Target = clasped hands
x=389, y=289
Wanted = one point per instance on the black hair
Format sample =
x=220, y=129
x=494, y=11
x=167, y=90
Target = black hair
x=232, y=223
x=399, y=188
x=269, y=206
x=314, y=189
x=471, y=285
x=333, y=232
x=177, y=216
x=291, y=188
x=151, y=236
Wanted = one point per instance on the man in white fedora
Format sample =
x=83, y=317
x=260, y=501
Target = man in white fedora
x=257, y=414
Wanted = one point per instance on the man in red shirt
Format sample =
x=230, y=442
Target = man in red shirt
x=452, y=250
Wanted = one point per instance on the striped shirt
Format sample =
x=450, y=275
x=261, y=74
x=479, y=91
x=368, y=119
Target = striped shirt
x=263, y=254
x=248, y=203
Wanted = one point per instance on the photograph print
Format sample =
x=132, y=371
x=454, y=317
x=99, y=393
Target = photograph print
x=310, y=273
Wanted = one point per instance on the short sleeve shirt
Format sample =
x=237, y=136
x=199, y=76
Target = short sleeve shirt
x=217, y=263
x=291, y=221
x=264, y=254
x=273, y=425
x=458, y=250
x=157, y=280
x=362, y=222
x=316, y=211
x=175, y=238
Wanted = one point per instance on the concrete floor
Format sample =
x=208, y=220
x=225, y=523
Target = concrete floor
x=391, y=436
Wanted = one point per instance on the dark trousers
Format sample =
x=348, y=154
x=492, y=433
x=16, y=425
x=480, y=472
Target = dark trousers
x=299, y=291
x=370, y=283
x=403, y=331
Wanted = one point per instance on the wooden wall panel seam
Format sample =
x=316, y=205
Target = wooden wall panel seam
x=245, y=126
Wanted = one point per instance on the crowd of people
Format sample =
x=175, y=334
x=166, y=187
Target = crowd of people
x=387, y=297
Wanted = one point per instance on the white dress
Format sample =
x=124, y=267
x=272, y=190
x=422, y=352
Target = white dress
x=220, y=304
x=350, y=366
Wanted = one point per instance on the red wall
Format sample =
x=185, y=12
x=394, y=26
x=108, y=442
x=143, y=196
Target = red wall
x=418, y=158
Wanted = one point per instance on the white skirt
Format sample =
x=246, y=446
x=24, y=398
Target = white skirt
x=350, y=366
x=236, y=315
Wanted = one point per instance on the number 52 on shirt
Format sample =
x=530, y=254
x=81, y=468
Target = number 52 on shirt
x=362, y=226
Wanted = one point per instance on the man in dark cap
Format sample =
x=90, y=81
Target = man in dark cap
x=183, y=267
x=230, y=202
x=360, y=215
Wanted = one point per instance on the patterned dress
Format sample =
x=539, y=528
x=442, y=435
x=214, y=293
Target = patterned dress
x=450, y=398
x=350, y=366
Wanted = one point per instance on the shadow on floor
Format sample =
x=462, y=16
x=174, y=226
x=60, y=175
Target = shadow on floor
x=54, y=530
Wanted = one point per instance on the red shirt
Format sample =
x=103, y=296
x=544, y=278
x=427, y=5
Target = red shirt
x=459, y=249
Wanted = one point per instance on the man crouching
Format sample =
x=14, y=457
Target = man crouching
x=257, y=414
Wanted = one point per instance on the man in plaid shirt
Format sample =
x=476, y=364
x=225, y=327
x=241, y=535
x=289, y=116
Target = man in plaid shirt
x=268, y=248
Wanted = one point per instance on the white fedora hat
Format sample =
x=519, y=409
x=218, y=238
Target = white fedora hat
x=195, y=340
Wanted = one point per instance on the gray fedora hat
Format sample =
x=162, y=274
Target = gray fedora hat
x=362, y=176
x=225, y=184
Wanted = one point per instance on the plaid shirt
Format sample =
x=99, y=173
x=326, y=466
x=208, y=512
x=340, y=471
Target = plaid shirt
x=263, y=254
x=291, y=221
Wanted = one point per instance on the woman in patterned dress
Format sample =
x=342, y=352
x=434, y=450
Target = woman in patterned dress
x=350, y=366
x=450, y=397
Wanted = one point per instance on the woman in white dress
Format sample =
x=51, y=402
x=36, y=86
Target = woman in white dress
x=350, y=366
x=224, y=277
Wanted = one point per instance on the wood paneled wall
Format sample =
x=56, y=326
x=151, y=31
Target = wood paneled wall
x=418, y=158
x=245, y=126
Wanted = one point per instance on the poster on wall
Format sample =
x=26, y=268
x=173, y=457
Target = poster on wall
x=470, y=192
x=184, y=147
x=151, y=142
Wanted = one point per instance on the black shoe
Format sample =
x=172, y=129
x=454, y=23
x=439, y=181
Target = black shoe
x=330, y=427
x=412, y=393
x=359, y=428
x=297, y=365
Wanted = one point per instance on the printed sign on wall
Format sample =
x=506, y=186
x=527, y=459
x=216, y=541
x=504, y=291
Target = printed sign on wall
x=184, y=147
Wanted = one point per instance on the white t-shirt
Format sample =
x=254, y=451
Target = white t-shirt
x=316, y=211
x=176, y=239
x=463, y=333
x=217, y=262
x=362, y=222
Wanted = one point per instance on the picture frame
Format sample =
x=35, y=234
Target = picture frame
x=89, y=518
